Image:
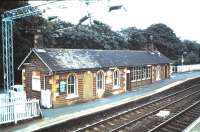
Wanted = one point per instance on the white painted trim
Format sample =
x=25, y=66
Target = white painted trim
x=104, y=79
x=76, y=86
x=125, y=78
x=42, y=60
x=71, y=96
x=116, y=86
x=33, y=50
x=19, y=67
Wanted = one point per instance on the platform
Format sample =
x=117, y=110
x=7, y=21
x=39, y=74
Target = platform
x=58, y=115
x=193, y=127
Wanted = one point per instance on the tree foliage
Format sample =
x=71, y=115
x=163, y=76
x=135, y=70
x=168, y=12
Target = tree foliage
x=96, y=35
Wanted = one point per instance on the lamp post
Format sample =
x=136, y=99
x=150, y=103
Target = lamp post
x=182, y=60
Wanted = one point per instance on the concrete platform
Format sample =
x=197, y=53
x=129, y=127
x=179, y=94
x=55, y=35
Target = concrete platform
x=193, y=127
x=55, y=116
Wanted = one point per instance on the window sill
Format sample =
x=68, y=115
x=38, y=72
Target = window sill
x=36, y=90
x=71, y=96
x=100, y=90
x=116, y=87
x=140, y=80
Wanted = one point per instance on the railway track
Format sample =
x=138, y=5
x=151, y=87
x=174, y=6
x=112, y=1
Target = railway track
x=123, y=120
x=180, y=121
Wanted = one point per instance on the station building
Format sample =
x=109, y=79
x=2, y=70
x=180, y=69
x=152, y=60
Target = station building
x=79, y=75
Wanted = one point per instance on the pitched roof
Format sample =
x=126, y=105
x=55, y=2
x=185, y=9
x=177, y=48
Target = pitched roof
x=71, y=59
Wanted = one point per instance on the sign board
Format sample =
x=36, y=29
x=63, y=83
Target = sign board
x=62, y=86
x=36, y=84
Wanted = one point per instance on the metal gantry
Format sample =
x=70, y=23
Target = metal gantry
x=7, y=40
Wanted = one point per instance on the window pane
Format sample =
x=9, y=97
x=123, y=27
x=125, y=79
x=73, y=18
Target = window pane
x=100, y=80
x=71, y=84
x=116, y=78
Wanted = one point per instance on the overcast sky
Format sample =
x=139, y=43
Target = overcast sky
x=183, y=16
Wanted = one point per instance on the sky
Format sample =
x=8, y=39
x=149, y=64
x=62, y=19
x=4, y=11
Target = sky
x=180, y=15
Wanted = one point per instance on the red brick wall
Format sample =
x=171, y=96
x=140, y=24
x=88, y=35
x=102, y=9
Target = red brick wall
x=35, y=65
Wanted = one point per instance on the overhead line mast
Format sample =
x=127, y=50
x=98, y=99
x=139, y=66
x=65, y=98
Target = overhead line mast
x=7, y=39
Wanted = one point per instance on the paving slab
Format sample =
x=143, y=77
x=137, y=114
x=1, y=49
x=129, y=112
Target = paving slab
x=59, y=115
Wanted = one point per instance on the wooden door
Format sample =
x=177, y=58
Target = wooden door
x=166, y=71
x=128, y=81
x=88, y=86
x=158, y=72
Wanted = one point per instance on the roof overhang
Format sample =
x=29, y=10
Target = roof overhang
x=28, y=55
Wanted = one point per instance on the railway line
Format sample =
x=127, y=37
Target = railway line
x=179, y=121
x=131, y=117
x=125, y=119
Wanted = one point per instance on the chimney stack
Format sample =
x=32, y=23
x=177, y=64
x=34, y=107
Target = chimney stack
x=38, y=40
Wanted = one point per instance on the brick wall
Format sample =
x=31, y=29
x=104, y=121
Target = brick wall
x=35, y=65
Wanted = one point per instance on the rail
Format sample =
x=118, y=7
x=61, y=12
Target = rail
x=137, y=108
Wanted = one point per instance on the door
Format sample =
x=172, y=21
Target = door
x=128, y=81
x=46, y=94
x=158, y=72
x=88, y=86
x=166, y=71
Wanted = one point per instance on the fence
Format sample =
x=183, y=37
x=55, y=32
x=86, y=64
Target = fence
x=185, y=68
x=12, y=97
x=17, y=108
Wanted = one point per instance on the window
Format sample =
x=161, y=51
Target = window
x=131, y=74
x=143, y=72
x=140, y=73
x=149, y=72
x=62, y=86
x=116, y=78
x=36, y=83
x=71, y=85
x=100, y=80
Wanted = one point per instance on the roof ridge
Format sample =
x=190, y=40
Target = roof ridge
x=93, y=49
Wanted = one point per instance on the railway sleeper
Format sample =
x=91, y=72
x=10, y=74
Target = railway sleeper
x=164, y=130
x=191, y=115
x=173, y=127
x=111, y=123
x=195, y=114
x=128, y=116
x=124, y=118
x=181, y=122
x=96, y=129
x=180, y=125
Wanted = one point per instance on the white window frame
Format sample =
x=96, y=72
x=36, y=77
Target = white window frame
x=141, y=73
x=75, y=84
x=149, y=72
x=103, y=80
x=116, y=86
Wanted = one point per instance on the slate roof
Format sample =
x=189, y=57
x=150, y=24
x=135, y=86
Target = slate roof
x=71, y=59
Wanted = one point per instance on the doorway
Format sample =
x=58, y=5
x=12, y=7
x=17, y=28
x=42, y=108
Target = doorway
x=88, y=86
x=158, y=72
x=128, y=82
